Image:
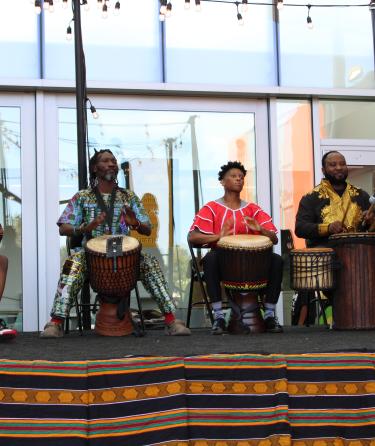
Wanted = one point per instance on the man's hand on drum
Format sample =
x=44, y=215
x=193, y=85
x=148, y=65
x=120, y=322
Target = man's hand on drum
x=99, y=220
x=253, y=225
x=132, y=221
x=228, y=228
x=336, y=227
x=368, y=217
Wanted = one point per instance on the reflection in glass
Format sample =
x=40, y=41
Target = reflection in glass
x=170, y=160
x=347, y=119
x=10, y=213
x=296, y=174
x=210, y=46
x=337, y=52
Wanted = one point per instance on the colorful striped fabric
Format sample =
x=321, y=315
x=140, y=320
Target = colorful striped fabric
x=213, y=400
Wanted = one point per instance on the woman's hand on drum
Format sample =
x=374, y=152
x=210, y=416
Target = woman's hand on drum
x=336, y=227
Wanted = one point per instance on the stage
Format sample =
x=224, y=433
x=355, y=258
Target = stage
x=307, y=386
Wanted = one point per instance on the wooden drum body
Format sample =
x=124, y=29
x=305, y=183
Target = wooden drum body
x=354, y=297
x=113, y=278
x=245, y=262
x=312, y=269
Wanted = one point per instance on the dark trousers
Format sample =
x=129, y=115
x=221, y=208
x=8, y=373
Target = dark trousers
x=212, y=277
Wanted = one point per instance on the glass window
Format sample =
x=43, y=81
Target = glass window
x=10, y=213
x=19, y=40
x=211, y=47
x=337, y=52
x=118, y=48
x=171, y=160
x=347, y=119
x=296, y=174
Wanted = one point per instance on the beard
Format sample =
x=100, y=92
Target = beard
x=110, y=176
x=336, y=181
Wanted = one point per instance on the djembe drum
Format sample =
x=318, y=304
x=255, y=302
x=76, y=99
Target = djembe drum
x=245, y=262
x=113, y=266
x=354, y=297
x=313, y=270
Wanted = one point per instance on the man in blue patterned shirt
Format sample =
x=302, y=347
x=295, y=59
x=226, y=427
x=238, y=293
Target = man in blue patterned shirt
x=105, y=208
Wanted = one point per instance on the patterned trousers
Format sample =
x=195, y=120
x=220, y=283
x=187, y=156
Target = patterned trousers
x=74, y=272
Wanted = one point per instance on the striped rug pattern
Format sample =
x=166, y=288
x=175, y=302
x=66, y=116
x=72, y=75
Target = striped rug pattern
x=213, y=400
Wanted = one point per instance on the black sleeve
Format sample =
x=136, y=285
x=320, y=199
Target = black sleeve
x=307, y=222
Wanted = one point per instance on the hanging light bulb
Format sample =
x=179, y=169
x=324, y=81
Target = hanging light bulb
x=244, y=6
x=38, y=7
x=69, y=33
x=51, y=6
x=46, y=5
x=187, y=4
x=162, y=17
x=85, y=4
x=105, y=11
x=169, y=10
x=280, y=5
x=64, y=4
x=100, y=4
x=95, y=114
x=163, y=7
x=117, y=8
x=240, y=19
x=309, y=22
x=198, y=5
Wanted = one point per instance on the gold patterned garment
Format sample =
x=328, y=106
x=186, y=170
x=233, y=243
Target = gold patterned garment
x=342, y=208
x=323, y=206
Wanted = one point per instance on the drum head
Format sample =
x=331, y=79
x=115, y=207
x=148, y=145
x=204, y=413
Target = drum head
x=99, y=244
x=367, y=238
x=245, y=241
x=316, y=250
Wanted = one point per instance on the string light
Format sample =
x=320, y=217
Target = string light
x=310, y=24
x=198, y=5
x=280, y=5
x=85, y=4
x=69, y=33
x=187, y=4
x=239, y=15
x=244, y=6
x=38, y=6
x=117, y=8
x=46, y=5
x=100, y=4
x=64, y=4
x=169, y=10
x=105, y=11
x=163, y=7
x=51, y=6
x=95, y=114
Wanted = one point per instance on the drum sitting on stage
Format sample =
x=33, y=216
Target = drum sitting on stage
x=113, y=266
x=354, y=297
x=312, y=269
x=245, y=262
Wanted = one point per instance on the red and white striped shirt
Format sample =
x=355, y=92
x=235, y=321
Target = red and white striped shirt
x=212, y=216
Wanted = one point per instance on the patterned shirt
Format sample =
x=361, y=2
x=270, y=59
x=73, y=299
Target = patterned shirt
x=212, y=216
x=83, y=208
x=323, y=206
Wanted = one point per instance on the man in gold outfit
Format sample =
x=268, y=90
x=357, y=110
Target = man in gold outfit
x=332, y=207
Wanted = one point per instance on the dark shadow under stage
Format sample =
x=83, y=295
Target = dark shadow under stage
x=305, y=387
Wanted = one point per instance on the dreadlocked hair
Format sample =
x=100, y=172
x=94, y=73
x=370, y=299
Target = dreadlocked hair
x=92, y=163
x=231, y=165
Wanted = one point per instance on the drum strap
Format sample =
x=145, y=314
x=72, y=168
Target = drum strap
x=108, y=210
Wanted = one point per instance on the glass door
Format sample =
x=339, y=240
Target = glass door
x=17, y=210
